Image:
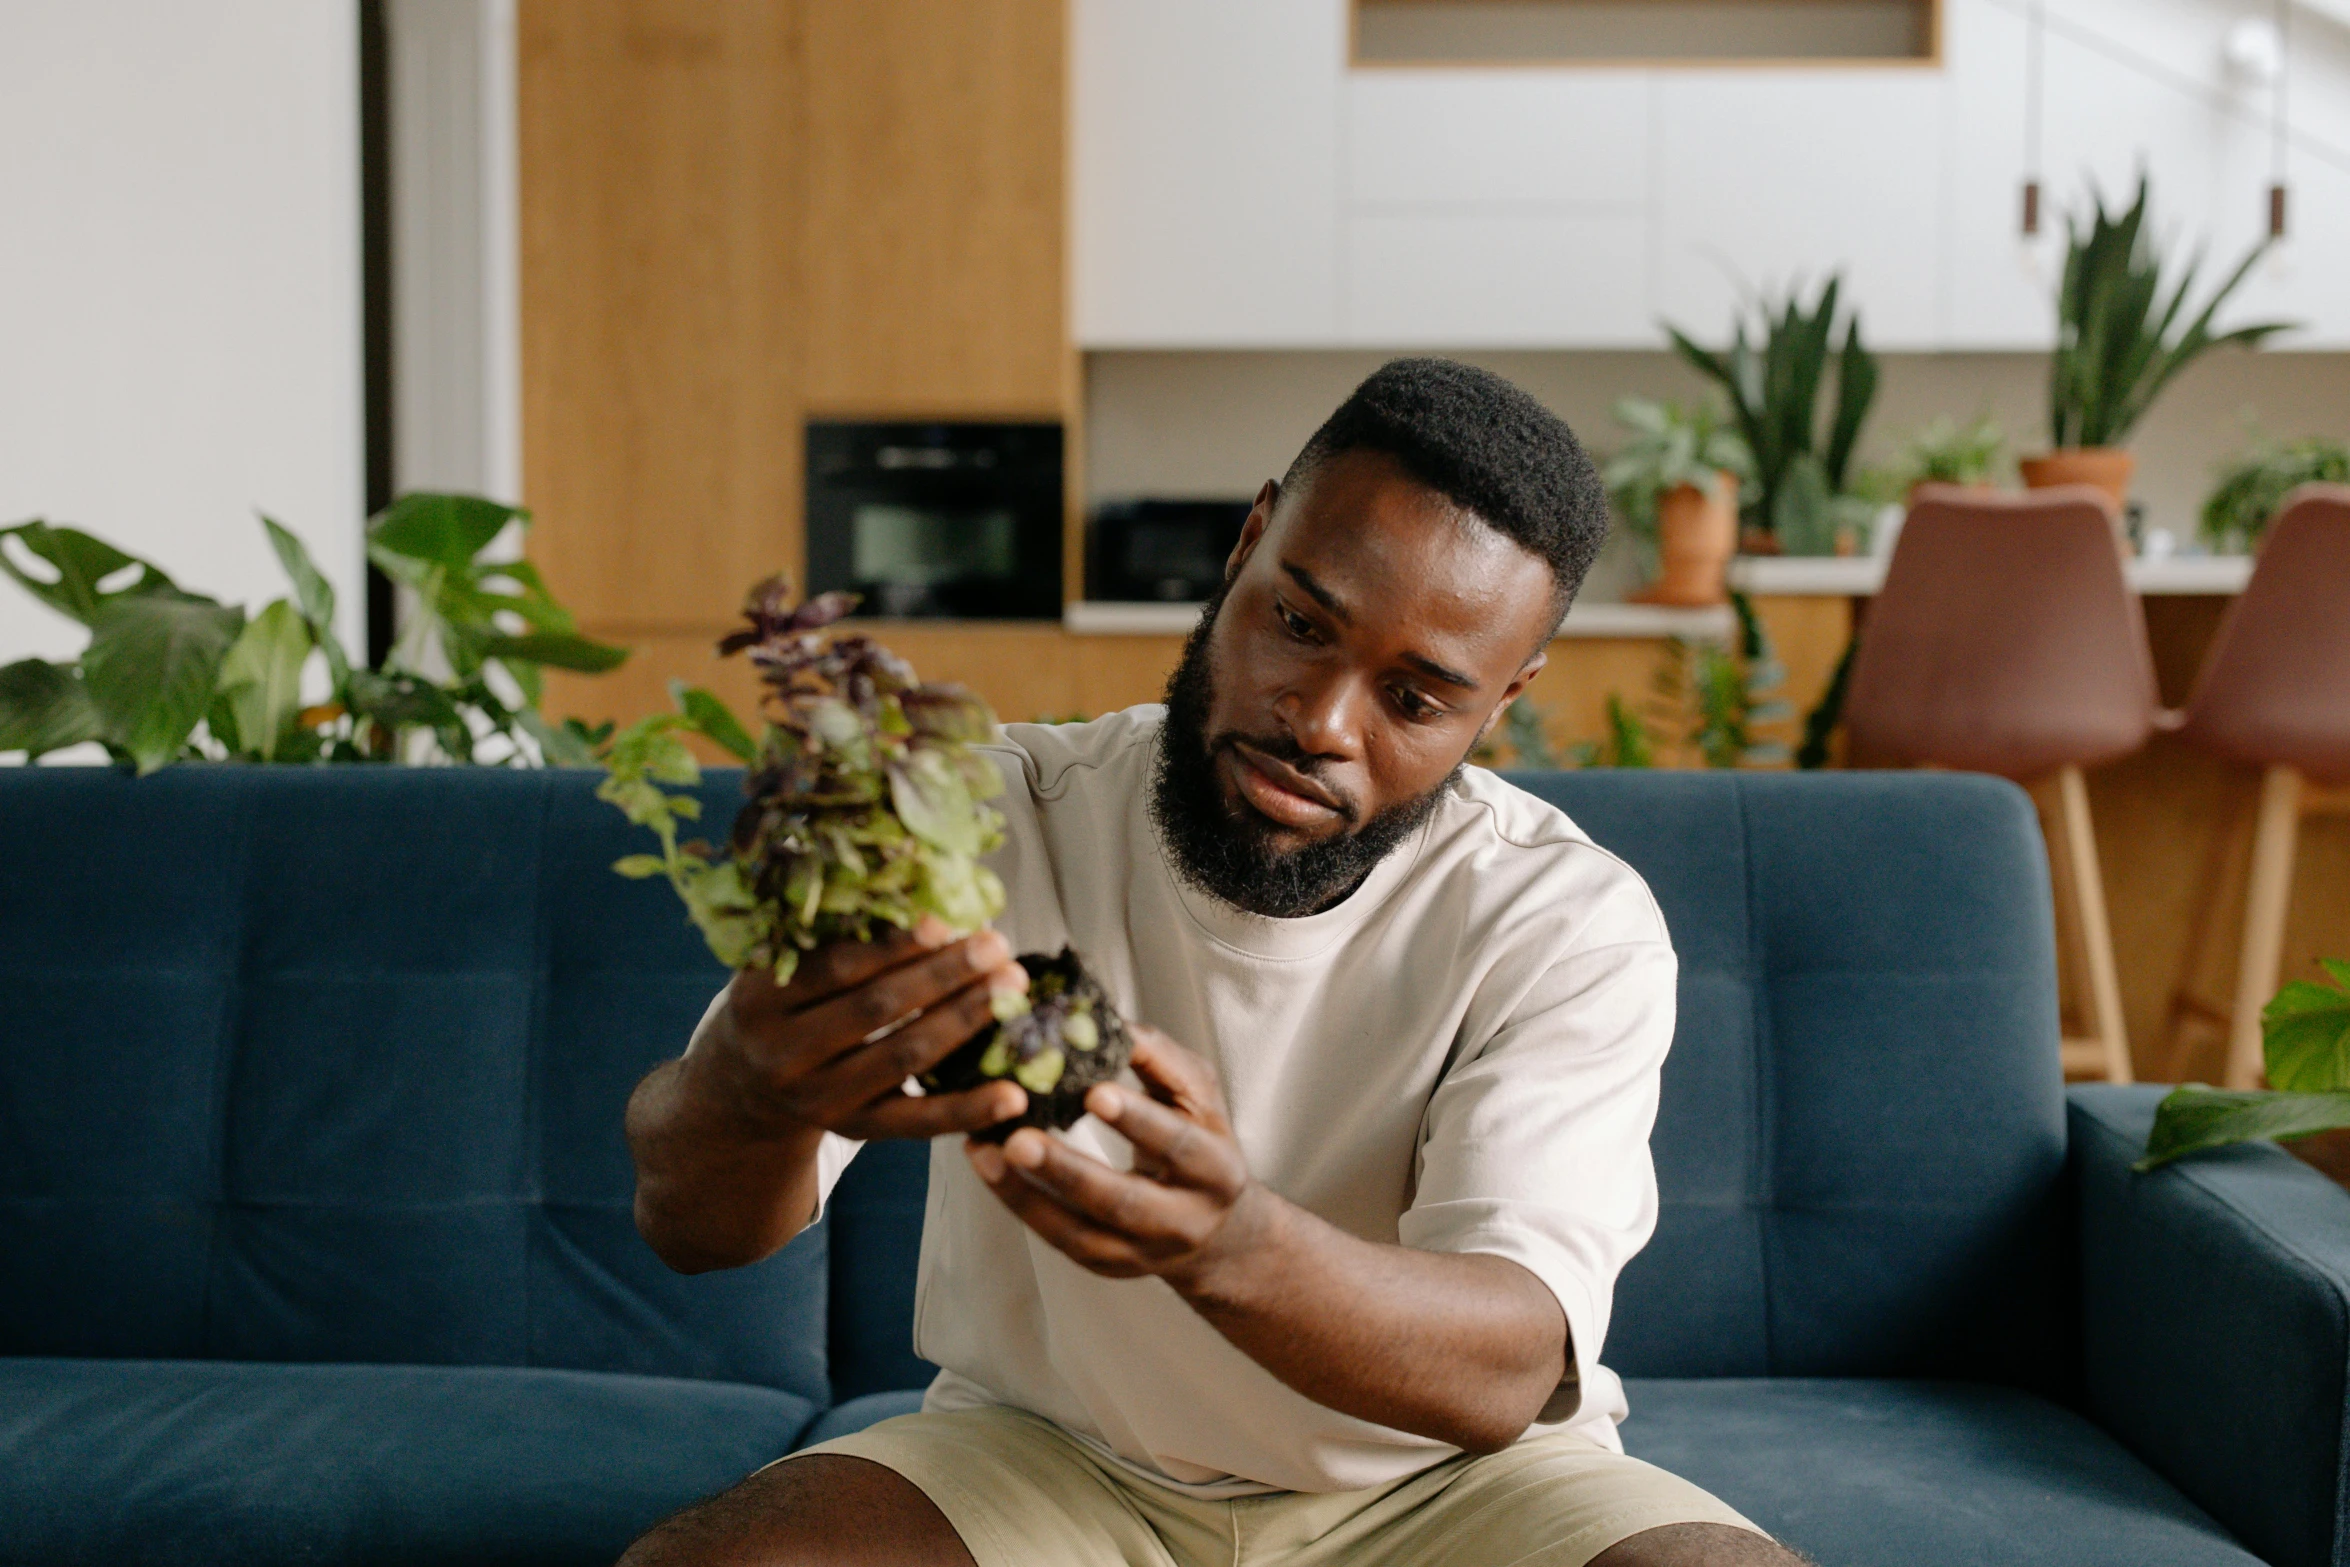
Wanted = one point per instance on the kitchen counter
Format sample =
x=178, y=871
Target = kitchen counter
x=1859, y=576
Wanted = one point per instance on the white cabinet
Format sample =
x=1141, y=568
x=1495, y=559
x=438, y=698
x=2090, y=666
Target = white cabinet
x=1238, y=184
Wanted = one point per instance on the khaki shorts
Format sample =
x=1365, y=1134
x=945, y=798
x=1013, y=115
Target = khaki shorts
x=1023, y=1493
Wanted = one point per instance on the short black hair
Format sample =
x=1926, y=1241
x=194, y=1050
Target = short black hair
x=1485, y=445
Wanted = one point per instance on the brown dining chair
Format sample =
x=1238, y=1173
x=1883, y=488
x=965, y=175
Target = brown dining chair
x=2274, y=692
x=2007, y=640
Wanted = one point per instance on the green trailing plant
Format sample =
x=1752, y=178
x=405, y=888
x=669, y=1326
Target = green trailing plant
x=2305, y=1036
x=1774, y=380
x=1827, y=714
x=864, y=810
x=1719, y=696
x=1671, y=445
x=2252, y=486
x=2120, y=335
x=1629, y=742
x=172, y=675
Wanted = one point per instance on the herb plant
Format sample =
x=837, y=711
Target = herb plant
x=1947, y=452
x=2115, y=345
x=2305, y=1035
x=2254, y=486
x=1671, y=445
x=171, y=675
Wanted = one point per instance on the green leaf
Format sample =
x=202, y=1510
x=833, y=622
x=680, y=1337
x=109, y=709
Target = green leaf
x=44, y=707
x=2307, y=1029
x=713, y=719
x=438, y=529
x=637, y=867
x=934, y=803
x=152, y=665
x=2194, y=1118
x=312, y=592
x=555, y=649
x=81, y=563
x=261, y=678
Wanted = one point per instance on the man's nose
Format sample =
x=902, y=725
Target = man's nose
x=1325, y=716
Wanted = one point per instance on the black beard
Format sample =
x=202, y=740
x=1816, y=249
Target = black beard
x=1231, y=855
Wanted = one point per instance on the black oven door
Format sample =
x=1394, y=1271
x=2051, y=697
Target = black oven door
x=950, y=520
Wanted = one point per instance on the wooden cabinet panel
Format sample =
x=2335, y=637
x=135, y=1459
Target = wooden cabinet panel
x=933, y=236
x=660, y=195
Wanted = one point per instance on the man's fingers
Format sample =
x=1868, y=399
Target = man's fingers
x=1176, y=1076
x=843, y=965
x=1167, y=1142
x=852, y=1017
x=936, y=1115
x=1157, y=1218
x=1082, y=1241
x=864, y=1072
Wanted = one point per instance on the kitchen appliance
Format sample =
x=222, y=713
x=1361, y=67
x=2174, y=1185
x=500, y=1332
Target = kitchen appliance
x=1168, y=551
x=959, y=520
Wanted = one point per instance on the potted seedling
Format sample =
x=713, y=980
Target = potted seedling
x=2252, y=488
x=864, y=810
x=2118, y=344
x=1947, y=452
x=1676, y=484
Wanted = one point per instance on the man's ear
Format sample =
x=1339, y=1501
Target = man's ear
x=1525, y=677
x=1260, y=517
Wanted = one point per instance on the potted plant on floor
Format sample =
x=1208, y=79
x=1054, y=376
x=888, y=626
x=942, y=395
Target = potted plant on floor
x=1798, y=503
x=2252, y=487
x=1676, y=484
x=2118, y=344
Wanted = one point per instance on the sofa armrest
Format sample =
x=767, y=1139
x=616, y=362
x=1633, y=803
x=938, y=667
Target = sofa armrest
x=2215, y=1300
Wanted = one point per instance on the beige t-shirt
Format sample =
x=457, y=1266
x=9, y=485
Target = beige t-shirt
x=1463, y=1056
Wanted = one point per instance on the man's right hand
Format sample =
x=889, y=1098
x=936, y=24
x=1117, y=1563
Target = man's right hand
x=832, y=1049
x=725, y=1138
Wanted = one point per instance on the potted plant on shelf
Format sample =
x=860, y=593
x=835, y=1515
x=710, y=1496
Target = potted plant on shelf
x=1947, y=452
x=1676, y=484
x=1798, y=503
x=2118, y=344
x=2252, y=487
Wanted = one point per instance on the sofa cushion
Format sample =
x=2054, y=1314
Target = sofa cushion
x=1927, y=1474
x=195, y=1462
x=329, y=1064
x=1861, y=1136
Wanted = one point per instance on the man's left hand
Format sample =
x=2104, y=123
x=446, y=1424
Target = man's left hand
x=1188, y=1209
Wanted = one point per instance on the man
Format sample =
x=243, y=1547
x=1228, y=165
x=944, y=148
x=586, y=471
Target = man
x=1330, y=1286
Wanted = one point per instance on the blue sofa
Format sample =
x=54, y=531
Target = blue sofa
x=315, y=1241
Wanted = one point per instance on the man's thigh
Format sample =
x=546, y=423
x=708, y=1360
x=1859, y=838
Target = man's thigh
x=1560, y=1501
x=821, y=1509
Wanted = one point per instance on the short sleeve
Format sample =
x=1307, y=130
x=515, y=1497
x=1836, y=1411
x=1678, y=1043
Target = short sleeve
x=832, y=1155
x=1535, y=1146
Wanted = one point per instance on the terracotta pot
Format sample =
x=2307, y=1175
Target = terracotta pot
x=1696, y=533
x=2108, y=468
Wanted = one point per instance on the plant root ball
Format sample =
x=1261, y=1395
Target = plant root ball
x=1056, y=1042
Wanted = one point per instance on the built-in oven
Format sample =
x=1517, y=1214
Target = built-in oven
x=1168, y=551
x=959, y=520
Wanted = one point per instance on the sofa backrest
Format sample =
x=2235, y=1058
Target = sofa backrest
x=1861, y=1140
x=328, y=1064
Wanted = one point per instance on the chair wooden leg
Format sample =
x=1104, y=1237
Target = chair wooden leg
x=2105, y=989
x=2275, y=834
x=2218, y=889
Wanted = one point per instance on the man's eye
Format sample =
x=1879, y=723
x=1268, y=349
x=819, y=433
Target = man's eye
x=1414, y=705
x=1294, y=623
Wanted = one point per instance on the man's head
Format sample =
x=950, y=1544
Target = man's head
x=1388, y=597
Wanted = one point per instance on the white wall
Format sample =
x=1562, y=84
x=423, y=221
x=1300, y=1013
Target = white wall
x=180, y=289
x=1238, y=185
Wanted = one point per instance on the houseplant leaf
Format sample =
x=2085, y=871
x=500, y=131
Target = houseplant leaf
x=151, y=668
x=314, y=595
x=2307, y=1034
x=44, y=708
x=82, y=563
x=2194, y=1118
x=261, y=678
x=713, y=719
x=555, y=650
x=438, y=529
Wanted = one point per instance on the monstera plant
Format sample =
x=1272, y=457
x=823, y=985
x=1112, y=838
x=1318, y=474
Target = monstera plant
x=172, y=675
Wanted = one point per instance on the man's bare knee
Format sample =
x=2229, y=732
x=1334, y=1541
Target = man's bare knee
x=826, y=1509
x=1697, y=1545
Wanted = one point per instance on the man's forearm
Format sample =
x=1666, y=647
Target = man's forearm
x=1464, y=1348
x=713, y=1190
